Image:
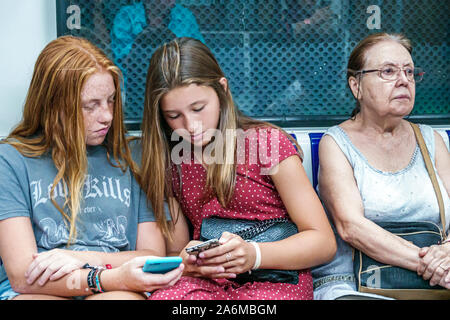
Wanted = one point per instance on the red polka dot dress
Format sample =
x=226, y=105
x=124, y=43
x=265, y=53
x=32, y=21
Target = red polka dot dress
x=255, y=198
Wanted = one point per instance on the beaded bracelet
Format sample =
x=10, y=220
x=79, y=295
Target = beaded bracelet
x=97, y=281
x=93, y=278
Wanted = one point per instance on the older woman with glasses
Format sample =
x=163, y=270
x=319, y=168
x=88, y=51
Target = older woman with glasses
x=371, y=171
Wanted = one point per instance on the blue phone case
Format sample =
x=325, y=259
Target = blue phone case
x=161, y=265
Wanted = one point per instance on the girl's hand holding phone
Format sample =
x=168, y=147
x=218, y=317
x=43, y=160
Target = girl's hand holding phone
x=195, y=266
x=234, y=254
x=133, y=278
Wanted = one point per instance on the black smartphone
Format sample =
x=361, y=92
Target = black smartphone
x=196, y=249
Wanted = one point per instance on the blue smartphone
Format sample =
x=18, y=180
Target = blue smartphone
x=161, y=264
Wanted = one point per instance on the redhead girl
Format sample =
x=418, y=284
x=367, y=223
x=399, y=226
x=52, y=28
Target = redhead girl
x=73, y=220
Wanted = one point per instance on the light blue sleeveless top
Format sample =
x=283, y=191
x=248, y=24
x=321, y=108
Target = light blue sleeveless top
x=405, y=195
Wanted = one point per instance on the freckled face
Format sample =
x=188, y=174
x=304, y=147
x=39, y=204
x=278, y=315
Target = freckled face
x=97, y=103
x=192, y=111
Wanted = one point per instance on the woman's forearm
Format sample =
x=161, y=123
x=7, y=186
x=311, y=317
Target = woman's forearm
x=380, y=244
x=71, y=285
x=304, y=250
x=114, y=259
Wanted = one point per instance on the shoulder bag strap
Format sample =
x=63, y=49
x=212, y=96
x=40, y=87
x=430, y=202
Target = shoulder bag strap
x=431, y=172
x=259, y=227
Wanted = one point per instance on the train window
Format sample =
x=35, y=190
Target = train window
x=285, y=59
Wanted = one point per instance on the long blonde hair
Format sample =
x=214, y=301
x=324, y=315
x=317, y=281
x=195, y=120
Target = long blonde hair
x=182, y=62
x=53, y=122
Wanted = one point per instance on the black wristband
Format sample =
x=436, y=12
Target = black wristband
x=92, y=278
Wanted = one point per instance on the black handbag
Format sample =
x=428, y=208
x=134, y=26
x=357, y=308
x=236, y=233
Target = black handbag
x=258, y=231
x=396, y=282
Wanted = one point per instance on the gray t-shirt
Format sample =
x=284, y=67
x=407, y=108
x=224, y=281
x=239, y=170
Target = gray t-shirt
x=113, y=204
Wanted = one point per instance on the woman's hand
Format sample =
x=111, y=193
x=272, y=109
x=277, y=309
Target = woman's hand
x=196, y=267
x=234, y=254
x=434, y=264
x=133, y=278
x=51, y=265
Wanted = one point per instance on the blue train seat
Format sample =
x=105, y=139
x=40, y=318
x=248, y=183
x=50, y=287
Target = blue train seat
x=315, y=139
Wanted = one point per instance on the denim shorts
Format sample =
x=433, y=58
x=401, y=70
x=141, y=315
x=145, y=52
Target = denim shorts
x=6, y=292
x=342, y=286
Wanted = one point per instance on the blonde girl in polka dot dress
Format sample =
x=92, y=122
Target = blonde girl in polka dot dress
x=190, y=162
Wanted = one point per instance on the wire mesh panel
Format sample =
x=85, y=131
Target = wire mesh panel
x=285, y=59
